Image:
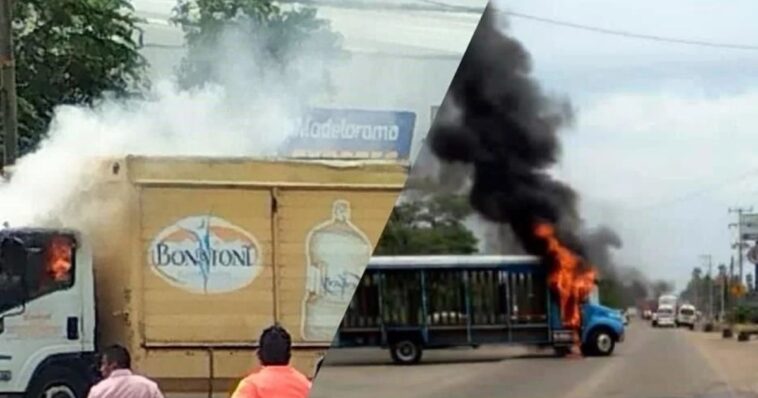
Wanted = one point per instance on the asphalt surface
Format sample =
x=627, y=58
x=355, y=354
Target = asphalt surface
x=651, y=363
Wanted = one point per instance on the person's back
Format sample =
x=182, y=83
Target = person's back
x=123, y=383
x=277, y=379
x=119, y=381
x=274, y=381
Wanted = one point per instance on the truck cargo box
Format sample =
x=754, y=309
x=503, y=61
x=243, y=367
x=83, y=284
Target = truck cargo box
x=194, y=257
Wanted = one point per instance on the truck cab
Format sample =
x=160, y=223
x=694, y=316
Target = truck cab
x=47, y=315
x=602, y=327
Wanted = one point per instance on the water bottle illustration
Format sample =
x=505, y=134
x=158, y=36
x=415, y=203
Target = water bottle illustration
x=337, y=252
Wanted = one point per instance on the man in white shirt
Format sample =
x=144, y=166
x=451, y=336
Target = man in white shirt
x=119, y=381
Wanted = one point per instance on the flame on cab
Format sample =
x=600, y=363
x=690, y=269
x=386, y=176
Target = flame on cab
x=567, y=277
x=59, y=258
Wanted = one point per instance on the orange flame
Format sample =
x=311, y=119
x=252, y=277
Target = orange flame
x=567, y=278
x=59, y=259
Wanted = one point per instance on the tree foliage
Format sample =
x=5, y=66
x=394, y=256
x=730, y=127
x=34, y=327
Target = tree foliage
x=72, y=52
x=274, y=34
x=428, y=226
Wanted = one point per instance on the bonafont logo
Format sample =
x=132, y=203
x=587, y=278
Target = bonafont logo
x=205, y=255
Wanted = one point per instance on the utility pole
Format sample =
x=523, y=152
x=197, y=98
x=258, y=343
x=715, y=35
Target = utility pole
x=709, y=262
x=740, y=244
x=722, y=287
x=8, y=81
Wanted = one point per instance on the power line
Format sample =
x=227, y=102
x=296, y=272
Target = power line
x=691, y=42
x=696, y=193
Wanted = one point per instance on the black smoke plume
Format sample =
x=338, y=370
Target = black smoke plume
x=507, y=129
x=598, y=244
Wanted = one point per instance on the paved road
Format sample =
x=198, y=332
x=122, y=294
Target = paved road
x=652, y=363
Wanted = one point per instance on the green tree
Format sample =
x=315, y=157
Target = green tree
x=274, y=34
x=611, y=293
x=72, y=52
x=428, y=226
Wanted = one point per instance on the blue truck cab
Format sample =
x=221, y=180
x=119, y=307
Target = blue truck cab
x=412, y=303
x=602, y=327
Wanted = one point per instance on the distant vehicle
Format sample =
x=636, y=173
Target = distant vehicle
x=647, y=315
x=686, y=316
x=665, y=317
x=412, y=303
x=632, y=311
x=668, y=300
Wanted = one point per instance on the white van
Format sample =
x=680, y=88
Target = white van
x=665, y=316
x=686, y=316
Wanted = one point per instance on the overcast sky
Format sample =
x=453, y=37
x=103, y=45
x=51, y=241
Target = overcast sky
x=664, y=131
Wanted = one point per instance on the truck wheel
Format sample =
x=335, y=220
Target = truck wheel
x=602, y=343
x=692, y=327
x=57, y=382
x=406, y=352
x=742, y=336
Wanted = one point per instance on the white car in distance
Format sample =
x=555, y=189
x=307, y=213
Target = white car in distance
x=665, y=316
x=686, y=316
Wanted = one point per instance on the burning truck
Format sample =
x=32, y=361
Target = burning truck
x=496, y=120
x=199, y=255
x=409, y=304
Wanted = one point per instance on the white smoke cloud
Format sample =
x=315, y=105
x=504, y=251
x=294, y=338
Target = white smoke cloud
x=249, y=113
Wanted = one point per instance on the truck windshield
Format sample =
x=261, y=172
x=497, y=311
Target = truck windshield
x=687, y=311
x=594, y=298
x=12, y=290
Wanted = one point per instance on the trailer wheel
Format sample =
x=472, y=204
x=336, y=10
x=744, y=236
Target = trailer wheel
x=602, y=343
x=57, y=382
x=743, y=336
x=406, y=352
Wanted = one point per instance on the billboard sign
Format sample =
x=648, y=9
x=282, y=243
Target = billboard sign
x=749, y=226
x=353, y=134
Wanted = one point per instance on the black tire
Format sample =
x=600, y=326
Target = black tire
x=561, y=352
x=406, y=352
x=587, y=350
x=692, y=327
x=602, y=342
x=68, y=384
x=727, y=334
x=742, y=336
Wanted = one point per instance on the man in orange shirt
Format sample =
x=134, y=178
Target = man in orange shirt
x=276, y=379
